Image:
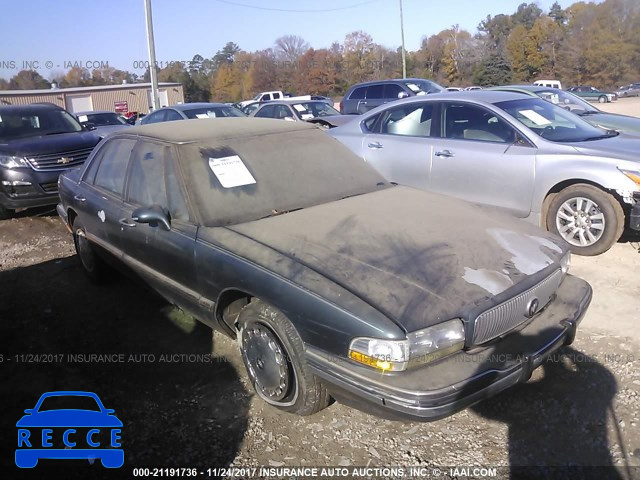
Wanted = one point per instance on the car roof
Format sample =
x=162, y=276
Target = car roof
x=212, y=129
x=192, y=106
x=93, y=112
x=391, y=80
x=292, y=102
x=486, y=96
x=32, y=107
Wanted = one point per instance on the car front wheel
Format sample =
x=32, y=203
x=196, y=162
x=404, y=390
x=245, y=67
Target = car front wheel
x=5, y=213
x=273, y=354
x=94, y=266
x=602, y=99
x=587, y=218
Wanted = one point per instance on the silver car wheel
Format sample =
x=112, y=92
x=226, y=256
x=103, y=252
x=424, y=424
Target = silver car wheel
x=580, y=221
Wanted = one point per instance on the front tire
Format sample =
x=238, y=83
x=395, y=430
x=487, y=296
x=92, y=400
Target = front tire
x=602, y=99
x=587, y=218
x=273, y=354
x=93, y=265
x=5, y=213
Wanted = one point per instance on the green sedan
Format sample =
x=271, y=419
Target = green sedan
x=592, y=94
x=569, y=101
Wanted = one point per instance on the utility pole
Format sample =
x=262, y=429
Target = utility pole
x=404, y=57
x=151, y=46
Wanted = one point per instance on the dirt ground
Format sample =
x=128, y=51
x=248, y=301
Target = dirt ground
x=184, y=398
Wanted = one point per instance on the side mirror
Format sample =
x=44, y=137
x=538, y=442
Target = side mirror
x=154, y=215
x=403, y=95
x=29, y=411
x=109, y=411
x=89, y=125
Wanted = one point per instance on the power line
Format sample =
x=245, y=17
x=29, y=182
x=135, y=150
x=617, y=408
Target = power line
x=287, y=10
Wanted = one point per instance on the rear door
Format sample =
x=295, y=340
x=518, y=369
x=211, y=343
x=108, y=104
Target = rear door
x=164, y=258
x=99, y=197
x=481, y=158
x=399, y=143
x=373, y=98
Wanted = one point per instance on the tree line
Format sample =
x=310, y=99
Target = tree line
x=586, y=43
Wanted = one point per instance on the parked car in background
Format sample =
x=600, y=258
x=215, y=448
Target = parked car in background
x=523, y=154
x=249, y=108
x=274, y=95
x=133, y=117
x=548, y=84
x=334, y=282
x=454, y=89
x=186, y=111
x=362, y=97
x=631, y=90
x=567, y=100
x=322, y=98
x=312, y=111
x=592, y=94
x=37, y=143
x=102, y=121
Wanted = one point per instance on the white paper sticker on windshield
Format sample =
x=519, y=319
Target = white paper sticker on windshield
x=413, y=87
x=306, y=116
x=83, y=119
x=231, y=171
x=202, y=115
x=300, y=108
x=535, y=117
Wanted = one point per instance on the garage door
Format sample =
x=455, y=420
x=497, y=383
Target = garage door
x=79, y=103
x=162, y=96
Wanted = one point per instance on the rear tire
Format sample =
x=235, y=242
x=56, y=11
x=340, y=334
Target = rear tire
x=273, y=354
x=5, y=213
x=93, y=265
x=589, y=219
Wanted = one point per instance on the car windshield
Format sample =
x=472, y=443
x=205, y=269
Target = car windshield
x=102, y=119
x=214, y=112
x=16, y=124
x=567, y=100
x=552, y=122
x=69, y=402
x=255, y=176
x=424, y=86
x=308, y=110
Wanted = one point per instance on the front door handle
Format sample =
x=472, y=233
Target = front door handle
x=80, y=198
x=126, y=223
x=375, y=145
x=444, y=153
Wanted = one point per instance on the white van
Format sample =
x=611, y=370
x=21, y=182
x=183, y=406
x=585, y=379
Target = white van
x=548, y=84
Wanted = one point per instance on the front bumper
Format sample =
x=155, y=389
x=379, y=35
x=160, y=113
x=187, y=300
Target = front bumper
x=26, y=188
x=435, y=391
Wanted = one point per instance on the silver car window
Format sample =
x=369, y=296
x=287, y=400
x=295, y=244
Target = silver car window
x=469, y=122
x=410, y=120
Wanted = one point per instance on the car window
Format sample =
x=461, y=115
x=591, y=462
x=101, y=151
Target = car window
x=112, y=164
x=412, y=120
x=469, y=122
x=276, y=95
x=375, y=92
x=358, y=93
x=268, y=111
x=282, y=112
x=392, y=90
x=266, y=97
x=153, y=180
x=171, y=115
x=370, y=124
x=155, y=117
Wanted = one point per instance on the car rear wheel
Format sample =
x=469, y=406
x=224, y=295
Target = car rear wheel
x=273, y=354
x=5, y=213
x=587, y=218
x=92, y=264
x=602, y=99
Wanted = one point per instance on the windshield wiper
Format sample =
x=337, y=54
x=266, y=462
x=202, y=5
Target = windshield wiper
x=588, y=112
x=55, y=133
x=609, y=134
x=275, y=213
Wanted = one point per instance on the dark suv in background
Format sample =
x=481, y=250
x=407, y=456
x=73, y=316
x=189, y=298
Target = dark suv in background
x=37, y=143
x=362, y=97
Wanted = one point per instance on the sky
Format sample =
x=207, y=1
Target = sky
x=91, y=33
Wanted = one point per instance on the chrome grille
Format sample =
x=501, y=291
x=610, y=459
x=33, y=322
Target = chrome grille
x=508, y=315
x=50, y=187
x=59, y=161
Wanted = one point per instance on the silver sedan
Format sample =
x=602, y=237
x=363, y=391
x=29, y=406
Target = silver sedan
x=523, y=154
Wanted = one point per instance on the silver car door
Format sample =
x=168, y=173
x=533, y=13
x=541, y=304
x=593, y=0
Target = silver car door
x=399, y=146
x=481, y=158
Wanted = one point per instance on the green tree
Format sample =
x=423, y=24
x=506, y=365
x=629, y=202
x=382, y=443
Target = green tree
x=28, y=80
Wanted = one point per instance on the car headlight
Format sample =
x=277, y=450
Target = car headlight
x=565, y=262
x=9, y=161
x=422, y=346
x=633, y=175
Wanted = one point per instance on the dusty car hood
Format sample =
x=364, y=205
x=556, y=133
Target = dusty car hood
x=418, y=257
x=622, y=147
x=623, y=123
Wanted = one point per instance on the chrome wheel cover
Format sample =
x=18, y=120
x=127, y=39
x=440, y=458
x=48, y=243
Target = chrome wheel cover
x=580, y=222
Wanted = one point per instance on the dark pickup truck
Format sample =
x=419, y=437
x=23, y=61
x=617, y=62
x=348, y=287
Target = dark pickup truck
x=37, y=143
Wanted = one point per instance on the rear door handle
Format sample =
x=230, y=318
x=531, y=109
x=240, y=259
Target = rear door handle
x=444, y=153
x=126, y=223
x=80, y=198
x=375, y=145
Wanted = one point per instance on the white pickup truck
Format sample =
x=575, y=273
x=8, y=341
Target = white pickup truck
x=273, y=95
